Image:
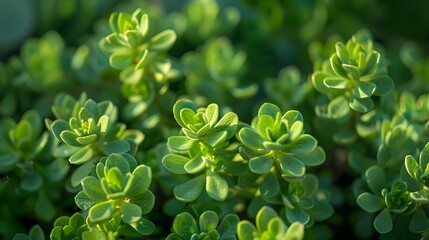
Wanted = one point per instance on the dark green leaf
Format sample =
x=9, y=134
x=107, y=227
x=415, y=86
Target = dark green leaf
x=383, y=221
x=269, y=186
x=297, y=215
x=420, y=222
x=228, y=226
x=31, y=182
x=370, y=202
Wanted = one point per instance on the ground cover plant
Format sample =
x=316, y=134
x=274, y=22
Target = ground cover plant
x=214, y=119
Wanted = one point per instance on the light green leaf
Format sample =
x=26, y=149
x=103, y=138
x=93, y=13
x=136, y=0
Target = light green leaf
x=208, y=221
x=216, y=186
x=338, y=107
x=83, y=201
x=413, y=167
x=336, y=82
x=84, y=155
x=269, y=109
x=185, y=225
x=250, y=138
x=211, y=114
x=361, y=104
x=180, y=143
x=318, y=82
x=117, y=161
x=195, y=165
x=353, y=71
x=130, y=212
x=295, y=231
x=141, y=181
x=245, y=230
x=92, y=188
x=69, y=138
x=101, y=211
x=163, y=41
x=337, y=66
x=175, y=163
x=182, y=104
x=191, y=189
x=303, y=144
x=365, y=89
x=263, y=217
x=58, y=126
x=85, y=140
x=121, y=59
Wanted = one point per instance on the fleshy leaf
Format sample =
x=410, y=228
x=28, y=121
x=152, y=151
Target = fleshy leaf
x=216, y=186
x=190, y=190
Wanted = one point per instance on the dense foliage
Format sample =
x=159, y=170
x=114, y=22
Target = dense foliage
x=214, y=119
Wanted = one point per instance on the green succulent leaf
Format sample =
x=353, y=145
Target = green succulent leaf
x=291, y=166
x=216, y=186
x=370, y=202
x=269, y=186
x=101, y=211
x=185, y=225
x=261, y=164
x=175, y=163
x=130, y=212
x=383, y=222
x=83, y=155
x=163, y=41
x=250, y=138
x=419, y=222
x=190, y=190
x=208, y=221
x=246, y=230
